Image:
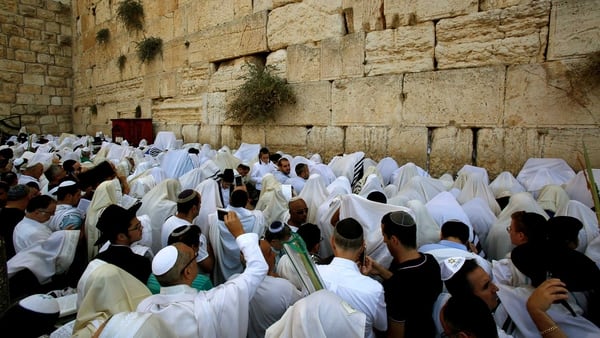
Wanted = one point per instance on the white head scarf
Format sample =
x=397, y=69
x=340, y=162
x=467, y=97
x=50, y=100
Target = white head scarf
x=505, y=185
x=207, y=170
x=105, y=194
x=476, y=185
x=539, y=172
x=577, y=188
x=402, y=175
x=428, y=231
x=552, y=197
x=314, y=194
x=481, y=217
x=386, y=168
x=160, y=203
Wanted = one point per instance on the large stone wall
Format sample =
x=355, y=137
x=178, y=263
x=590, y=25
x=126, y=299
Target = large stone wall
x=440, y=83
x=36, y=73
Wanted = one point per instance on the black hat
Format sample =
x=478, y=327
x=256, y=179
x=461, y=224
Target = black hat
x=561, y=229
x=227, y=175
x=115, y=220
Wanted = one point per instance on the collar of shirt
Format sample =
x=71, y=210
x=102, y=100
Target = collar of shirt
x=453, y=244
x=344, y=263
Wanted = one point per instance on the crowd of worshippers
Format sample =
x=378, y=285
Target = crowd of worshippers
x=181, y=240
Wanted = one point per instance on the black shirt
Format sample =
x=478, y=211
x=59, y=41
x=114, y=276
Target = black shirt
x=122, y=256
x=10, y=218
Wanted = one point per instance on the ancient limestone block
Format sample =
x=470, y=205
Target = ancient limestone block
x=230, y=73
x=364, y=16
x=490, y=150
x=465, y=97
x=186, y=111
x=278, y=59
x=407, y=144
x=254, y=134
x=194, y=79
x=210, y=134
x=552, y=94
x=486, y=5
x=242, y=8
x=371, y=140
x=403, y=12
x=48, y=119
x=200, y=15
x=299, y=23
x=262, y=5
x=326, y=141
x=288, y=139
x=238, y=37
x=304, y=62
x=342, y=56
x=574, y=28
x=516, y=34
x=104, y=13
x=567, y=144
x=451, y=148
x=312, y=107
x=401, y=50
x=215, y=108
x=190, y=133
x=372, y=100
x=520, y=144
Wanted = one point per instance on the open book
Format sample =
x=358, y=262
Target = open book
x=303, y=263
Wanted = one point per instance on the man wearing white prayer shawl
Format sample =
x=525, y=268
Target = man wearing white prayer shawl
x=227, y=252
x=272, y=202
x=386, y=168
x=207, y=170
x=219, y=312
x=551, y=198
x=577, y=187
x=481, y=217
x=210, y=201
x=67, y=215
x=476, y=185
x=328, y=209
x=134, y=325
x=320, y=315
x=539, y=172
x=314, y=194
x=106, y=193
x=34, y=226
x=403, y=174
x=587, y=217
x=176, y=163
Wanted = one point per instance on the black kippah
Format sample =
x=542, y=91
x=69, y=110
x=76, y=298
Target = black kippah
x=349, y=228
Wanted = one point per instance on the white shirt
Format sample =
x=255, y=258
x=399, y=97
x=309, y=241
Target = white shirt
x=259, y=170
x=28, y=232
x=343, y=278
x=66, y=215
x=297, y=183
x=218, y=312
x=271, y=300
x=281, y=177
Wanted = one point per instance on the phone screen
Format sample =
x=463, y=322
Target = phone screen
x=221, y=214
x=238, y=181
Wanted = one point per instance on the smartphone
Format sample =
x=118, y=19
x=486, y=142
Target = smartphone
x=221, y=214
x=238, y=181
x=363, y=257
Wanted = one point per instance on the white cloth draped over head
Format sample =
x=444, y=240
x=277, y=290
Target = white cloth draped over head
x=143, y=183
x=104, y=290
x=349, y=165
x=467, y=170
x=165, y=140
x=225, y=160
x=272, y=202
x=552, y=197
x=46, y=258
x=175, y=163
x=444, y=207
x=422, y=188
x=321, y=314
x=314, y=194
x=371, y=183
x=539, y=172
x=324, y=170
x=481, y=217
x=428, y=231
x=106, y=193
x=136, y=325
x=404, y=173
x=160, y=203
x=386, y=168
x=248, y=153
x=506, y=185
x=207, y=170
x=369, y=215
x=476, y=185
x=588, y=219
x=341, y=186
x=297, y=160
x=577, y=187
x=210, y=200
x=498, y=242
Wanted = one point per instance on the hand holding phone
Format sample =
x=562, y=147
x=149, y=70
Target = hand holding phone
x=238, y=181
x=221, y=214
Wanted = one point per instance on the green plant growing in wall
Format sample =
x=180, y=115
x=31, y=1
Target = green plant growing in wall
x=94, y=109
x=121, y=60
x=131, y=13
x=103, y=35
x=260, y=95
x=148, y=48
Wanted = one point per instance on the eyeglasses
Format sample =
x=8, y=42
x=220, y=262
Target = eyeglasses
x=301, y=211
x=137, y=227
x=508, y=228
x=190, y=262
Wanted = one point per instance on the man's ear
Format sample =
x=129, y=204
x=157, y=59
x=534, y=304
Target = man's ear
x=332, y=241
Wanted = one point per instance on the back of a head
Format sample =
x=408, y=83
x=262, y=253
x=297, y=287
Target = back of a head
x=39, y=202
x=67, y=188
x=468, y=314
x=563, y=231
x=348, y=234
x=239, y=198
x=299, y=168
x=187, y=199
x=456, y=229
x=187, y=234
x=531, y=224
x=32, y=316
x=402, y=225
x=377, y=196
x=68, y=165
x=310, y=233
x=277, y=230
x=18, y=192
x=274, y=157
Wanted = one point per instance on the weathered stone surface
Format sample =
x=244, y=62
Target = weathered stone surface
x=230, y=74
x=190, y=133
x=401, y=50
x=304, y=62
x=12, y=66
x=313, y=105
x=367, y=101
x=371, y=140
x=486, y=5
x=520, y=144
x=254, y=134
x=299, y=23
x=574, y=28
x=215, y=108
x=451, y=149
x=290, y=140
x=177, y=111
x=231, y=136
x=539, y=95
x=343, y=57
x=278, y=60
x=490, y=150
x=194, y=79
x=364, y=15
x=403, y=12
x=568, y=145
x=516, y=34
x=407, y=144
x=465, y=97
x=326, y=141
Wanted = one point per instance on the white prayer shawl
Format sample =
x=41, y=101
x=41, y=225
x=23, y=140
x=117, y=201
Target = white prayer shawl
x=402, y=175
x=505, y=272
x=372, y=183
x=593, y=250
x=320, y=315
x=176, y=163
x=136, y=325
x=46, y=258
x=586, y=216
x=104, y=290
x=272, y=202
x=141, y=185
x=325, y=171
x=144, y=245
x=552, y=197
x=297, y=184
x=514, y=300
x=422, y=188
x=390, y=190
x=539, y=172
x=341, y=186
x=386, y=168
x=165, y=140
x=444, y=207
x=210, y=200
x=466, y=171
x=247, y=153
x=297, y=160
x=447, y=180
x=577, y=188
x=476, y=185
x=505, y=184
x=195, y=160
x=428, y=231
x=28, y=232
x=105, y=194
x=369, y=214
x=498, y=242
x=225, y=160
x=65, y=211
x=285, y=269
x=349, y=165
x=207, y=170
x=160, y=203
x=218, y=312
x=481, y=217
x=314, y=194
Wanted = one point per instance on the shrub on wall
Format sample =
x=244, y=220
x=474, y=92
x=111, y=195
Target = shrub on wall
x=260, y=95
x=121, y=62
x=103, y=35
x=131, y=13
x=148, y=48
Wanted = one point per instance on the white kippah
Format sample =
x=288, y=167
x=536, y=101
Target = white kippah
x=449, y=266
x=40, y=303
x=164, y=260
x=67, y=183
